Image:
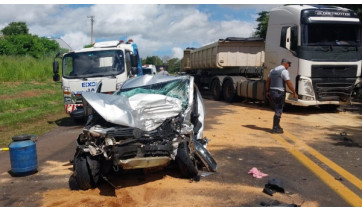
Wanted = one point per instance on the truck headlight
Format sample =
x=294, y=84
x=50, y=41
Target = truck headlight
x=66, y=91
x=119, y=85
x=305, y=89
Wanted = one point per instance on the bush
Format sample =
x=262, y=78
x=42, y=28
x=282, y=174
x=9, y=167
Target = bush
x=26, y=44
x=17, y=41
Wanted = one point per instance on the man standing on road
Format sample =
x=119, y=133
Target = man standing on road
x=163, y=72
x=275, y=90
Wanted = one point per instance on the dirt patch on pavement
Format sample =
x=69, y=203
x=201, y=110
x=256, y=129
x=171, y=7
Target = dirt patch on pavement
x=166, y=192
x=57, y=168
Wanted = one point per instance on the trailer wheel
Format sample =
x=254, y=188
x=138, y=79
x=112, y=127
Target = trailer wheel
x=185, y=162
x=228, y=91
x=216, y=90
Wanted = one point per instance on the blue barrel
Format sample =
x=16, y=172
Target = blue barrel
x=23, y=155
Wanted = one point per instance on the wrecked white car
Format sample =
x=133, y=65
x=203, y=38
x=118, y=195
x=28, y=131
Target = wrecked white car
x=149, y=122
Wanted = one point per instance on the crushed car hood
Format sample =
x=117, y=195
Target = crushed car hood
x=146, y=102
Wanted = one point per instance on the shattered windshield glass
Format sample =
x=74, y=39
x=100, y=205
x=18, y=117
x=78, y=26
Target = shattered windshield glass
x=177, y=89
x=144, y=102
x=331, y=35
x=93, y=64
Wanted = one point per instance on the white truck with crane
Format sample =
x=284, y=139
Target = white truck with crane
x=109, y=62
x=322, y=42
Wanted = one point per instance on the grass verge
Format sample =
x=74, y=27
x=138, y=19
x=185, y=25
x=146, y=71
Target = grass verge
x=29, y=107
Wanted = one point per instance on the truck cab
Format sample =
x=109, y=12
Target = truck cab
x=149, y=69
x=107, y=63
x=323, y=44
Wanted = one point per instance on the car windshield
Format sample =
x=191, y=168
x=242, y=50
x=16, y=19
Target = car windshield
x=147, y=71
x=331, y=35
x=93, y=64
x=177, y=88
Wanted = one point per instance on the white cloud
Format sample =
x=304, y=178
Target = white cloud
x=155, y=28
x=76, y=39
x=177, y=52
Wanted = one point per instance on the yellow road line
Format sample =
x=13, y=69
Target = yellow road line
x=348, y=176
x=328, y=179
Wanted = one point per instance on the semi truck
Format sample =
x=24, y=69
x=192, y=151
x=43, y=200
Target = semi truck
x=322, y=43
x=108, y=62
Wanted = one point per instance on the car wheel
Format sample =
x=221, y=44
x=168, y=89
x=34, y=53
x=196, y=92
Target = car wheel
x=185, y=162
x=86, y=174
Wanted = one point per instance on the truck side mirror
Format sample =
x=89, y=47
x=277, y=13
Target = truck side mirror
x=134, y=60
x=55, y=67
x=288, y=39
x=57, y=55
x=56, y=77
x=134, y=71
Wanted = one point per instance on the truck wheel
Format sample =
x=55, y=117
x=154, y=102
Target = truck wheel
x=216, y=90
x=185, y=163
x=228, y=91
x=82, y=172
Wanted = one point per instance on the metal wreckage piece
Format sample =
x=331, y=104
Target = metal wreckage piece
x=149, y=122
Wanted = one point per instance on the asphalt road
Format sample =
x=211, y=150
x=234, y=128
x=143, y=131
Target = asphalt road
x=317, y=159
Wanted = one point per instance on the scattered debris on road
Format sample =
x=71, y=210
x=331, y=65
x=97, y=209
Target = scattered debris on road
x=273, y=185
x=256, y=173
x=345, y=141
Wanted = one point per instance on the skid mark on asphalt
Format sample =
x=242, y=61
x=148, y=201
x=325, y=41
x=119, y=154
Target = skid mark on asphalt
x=346, y=194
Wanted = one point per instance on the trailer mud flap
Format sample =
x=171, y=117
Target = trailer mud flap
x=205, y=157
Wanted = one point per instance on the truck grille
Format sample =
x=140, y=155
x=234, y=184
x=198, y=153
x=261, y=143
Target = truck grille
x=333, y=89
x=331, y=71
x=333, y=83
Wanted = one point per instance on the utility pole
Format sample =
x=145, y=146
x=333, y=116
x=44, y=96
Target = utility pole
x=92, y=21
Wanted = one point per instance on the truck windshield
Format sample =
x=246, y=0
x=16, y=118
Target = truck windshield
x=93, y=64
x=318, y=34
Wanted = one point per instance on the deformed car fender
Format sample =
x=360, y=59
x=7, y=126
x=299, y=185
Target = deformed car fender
x=205, y=156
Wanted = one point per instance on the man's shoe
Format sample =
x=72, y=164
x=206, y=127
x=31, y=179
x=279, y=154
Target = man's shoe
x=277, y=130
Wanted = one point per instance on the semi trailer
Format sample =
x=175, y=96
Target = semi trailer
x=322, y=42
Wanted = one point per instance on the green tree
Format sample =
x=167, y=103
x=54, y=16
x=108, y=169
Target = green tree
x=17, y=41
x=262, y=25
x=6, y=47
x=174, y=65
x=153, y=60
x=15, y=28
x=88, y=46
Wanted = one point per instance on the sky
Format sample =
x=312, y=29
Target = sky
x=157, y=29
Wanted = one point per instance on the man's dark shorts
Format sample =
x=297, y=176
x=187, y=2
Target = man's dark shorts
x=278, y=99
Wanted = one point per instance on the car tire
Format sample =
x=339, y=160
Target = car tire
x=84, y=176
x=185, y=162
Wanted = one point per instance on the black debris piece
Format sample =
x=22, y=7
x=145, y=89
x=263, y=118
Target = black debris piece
x=338, y=178
x=273, y=185
x=268, y=191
